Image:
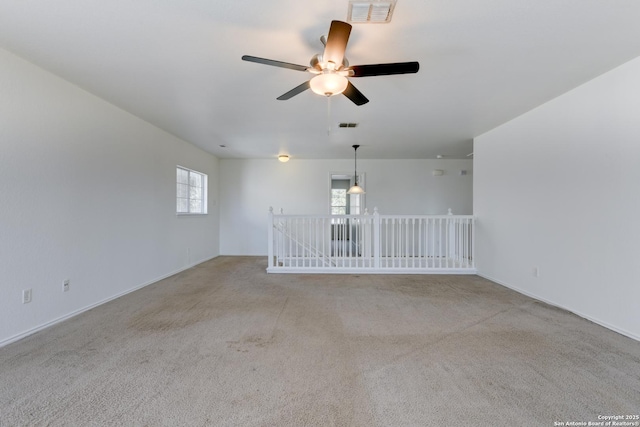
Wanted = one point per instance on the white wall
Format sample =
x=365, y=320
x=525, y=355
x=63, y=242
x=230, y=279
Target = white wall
x=87, y=193
x=249, y=187
x=559, y=188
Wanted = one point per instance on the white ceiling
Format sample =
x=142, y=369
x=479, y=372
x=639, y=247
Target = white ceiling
x=177, y=65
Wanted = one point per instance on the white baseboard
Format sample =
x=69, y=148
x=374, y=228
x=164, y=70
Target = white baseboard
x=94, y=305
x=577, y=313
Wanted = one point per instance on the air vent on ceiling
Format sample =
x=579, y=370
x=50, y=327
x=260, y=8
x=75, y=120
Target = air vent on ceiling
x=374, y=12
x=347, y=125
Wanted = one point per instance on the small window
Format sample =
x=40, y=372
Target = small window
x=191, y=192
x=338, y=201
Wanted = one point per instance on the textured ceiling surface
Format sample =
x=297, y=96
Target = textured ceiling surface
x=177, y=64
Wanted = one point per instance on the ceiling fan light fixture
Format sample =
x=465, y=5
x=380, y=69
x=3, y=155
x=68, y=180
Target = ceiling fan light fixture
x=328, y=84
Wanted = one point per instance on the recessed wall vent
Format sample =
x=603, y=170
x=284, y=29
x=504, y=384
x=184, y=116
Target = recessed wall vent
x=347, y=125
x=372, y=12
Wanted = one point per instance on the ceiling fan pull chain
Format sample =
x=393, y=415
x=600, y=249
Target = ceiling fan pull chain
x=328, y=115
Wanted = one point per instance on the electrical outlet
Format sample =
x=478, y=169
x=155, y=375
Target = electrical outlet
x=536, y=272
x=65, y=286
x=26, y=296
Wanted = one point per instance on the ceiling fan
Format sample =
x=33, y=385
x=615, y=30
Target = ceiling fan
x=331, y=68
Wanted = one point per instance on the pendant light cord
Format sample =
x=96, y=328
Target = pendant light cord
x=355, y=163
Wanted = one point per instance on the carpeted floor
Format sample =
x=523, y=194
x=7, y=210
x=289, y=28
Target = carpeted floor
x=225, y=344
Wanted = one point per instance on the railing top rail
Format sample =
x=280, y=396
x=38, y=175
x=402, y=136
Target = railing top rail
x=327, y=216
x=320, y=216
x=427, y=216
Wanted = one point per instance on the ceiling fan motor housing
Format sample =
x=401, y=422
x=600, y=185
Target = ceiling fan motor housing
x=317, y=64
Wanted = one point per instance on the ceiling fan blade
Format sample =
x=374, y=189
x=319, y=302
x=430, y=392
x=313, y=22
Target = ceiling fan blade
x=336, y=42
x=293, y=92
x=384, y=69
x=274, y=63
x=355, y=95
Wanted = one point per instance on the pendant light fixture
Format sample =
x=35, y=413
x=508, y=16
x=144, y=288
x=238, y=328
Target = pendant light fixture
x=356, y=189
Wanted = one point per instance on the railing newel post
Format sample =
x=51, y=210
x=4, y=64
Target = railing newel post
x=270, y=262
x=473, y=242
x=376, y=238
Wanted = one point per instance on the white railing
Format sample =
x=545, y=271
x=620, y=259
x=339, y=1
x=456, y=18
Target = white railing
x=370, y=243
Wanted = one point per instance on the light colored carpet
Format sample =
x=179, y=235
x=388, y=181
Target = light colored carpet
x=226, y=344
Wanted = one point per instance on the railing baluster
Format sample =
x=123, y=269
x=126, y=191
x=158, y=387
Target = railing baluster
x=419, y=242
x=450, y=234
x=387, y=251
x=357, y=245
x=413, y=243
x=349, y=241
x=354, y=240
x=356, y=235
x=426, y=242
x=473, y=242
x=469, y=242
x=324, y=240
x=459, y=243
x=282, y=243
x=406, y=242
x=344, y=242
x=398, y=258
x=439, y=242
x=464, y=242
x=430, y=242
x=298, y=236
x=288, y=237
x=461, y=251
x=401, y=243
x=393, y=242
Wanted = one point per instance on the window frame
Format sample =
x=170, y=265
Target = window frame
x=350, y=176
x=204, y=191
